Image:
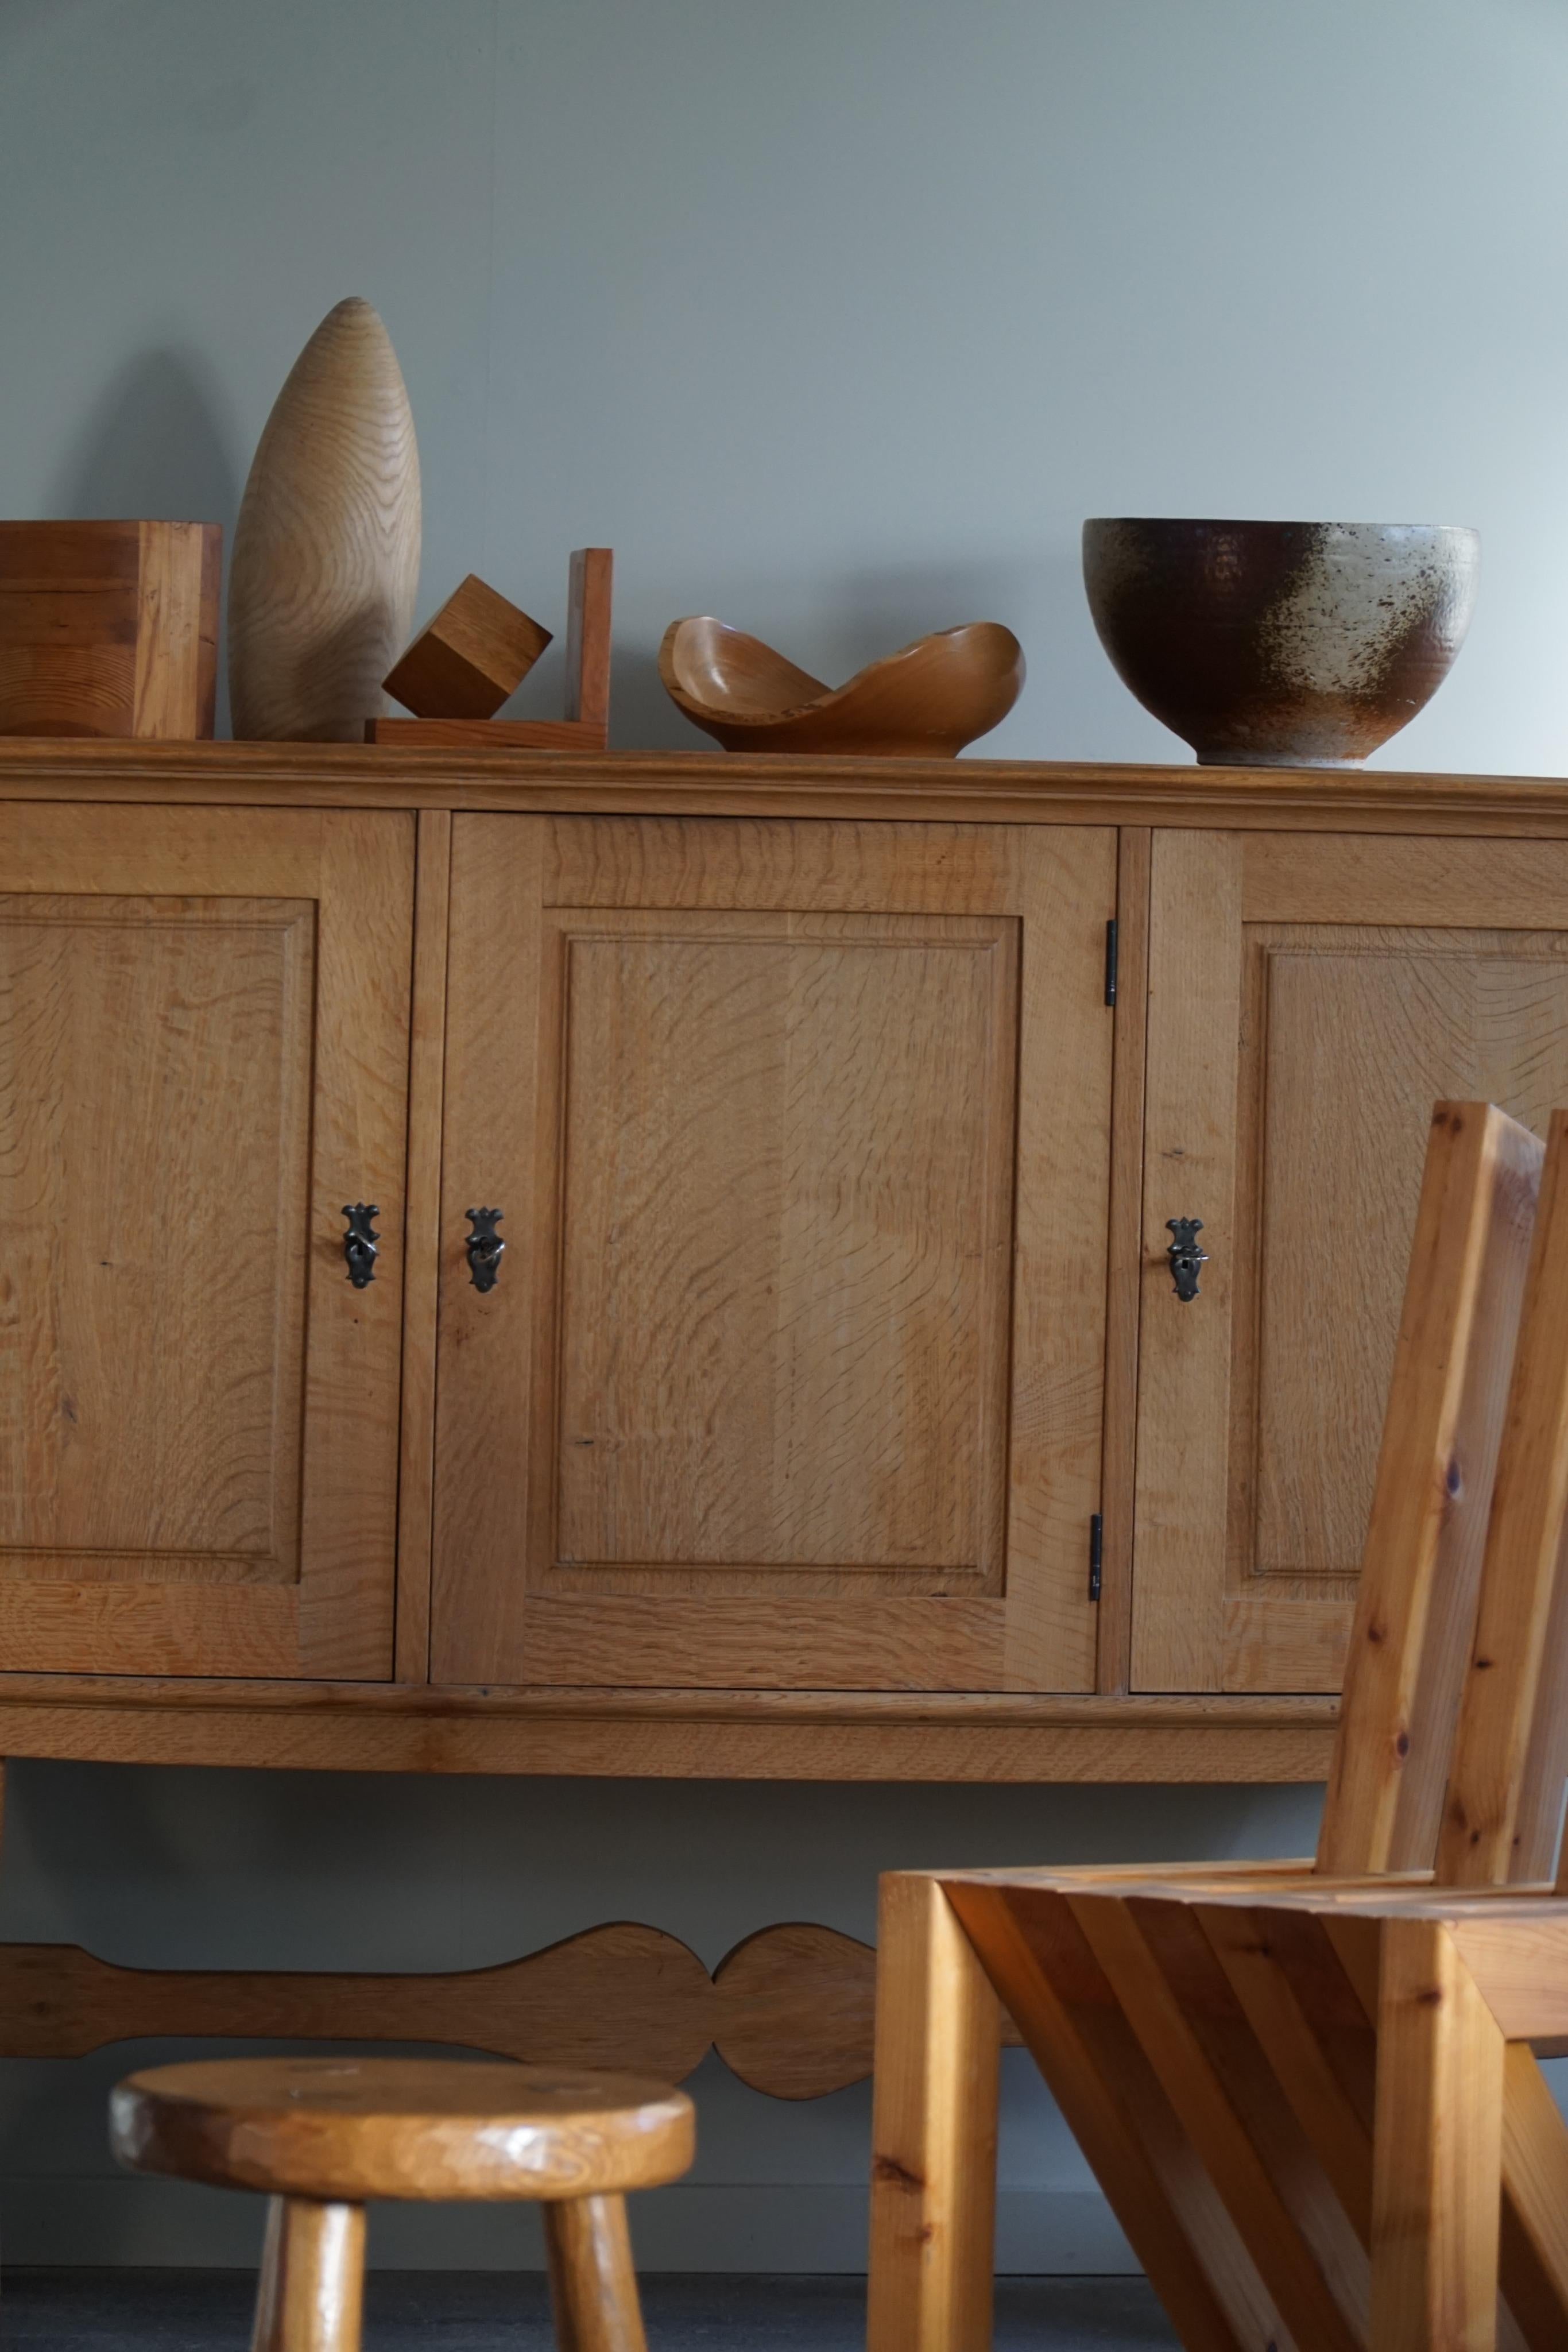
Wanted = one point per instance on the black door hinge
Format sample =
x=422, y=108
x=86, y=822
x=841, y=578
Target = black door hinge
x=1096, y=1554
x=1111, y=962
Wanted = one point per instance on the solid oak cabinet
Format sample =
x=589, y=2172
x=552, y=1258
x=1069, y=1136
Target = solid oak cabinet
x=1311, y=995
x=830, y=1411
x=203, y=1041
x=791, y=1374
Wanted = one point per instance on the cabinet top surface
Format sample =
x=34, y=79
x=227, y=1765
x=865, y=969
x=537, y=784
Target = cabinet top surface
x=680, y=783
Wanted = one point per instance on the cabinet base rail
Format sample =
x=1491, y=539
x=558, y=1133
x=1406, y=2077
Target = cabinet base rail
x=790, y=2009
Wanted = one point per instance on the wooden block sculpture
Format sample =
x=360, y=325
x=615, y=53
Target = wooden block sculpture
x=322, y=2136
x=326, y=553
x=434, y=676
x=470, y=658
x=109, y=628
x=1309, y=2090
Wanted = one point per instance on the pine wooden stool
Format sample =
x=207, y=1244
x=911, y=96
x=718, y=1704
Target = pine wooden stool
x=321, y=2136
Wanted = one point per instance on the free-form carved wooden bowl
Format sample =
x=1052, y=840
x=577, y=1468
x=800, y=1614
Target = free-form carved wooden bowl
x=1281, y=643
x=925, y=702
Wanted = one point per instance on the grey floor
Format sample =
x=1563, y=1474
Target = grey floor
x=480, y=2311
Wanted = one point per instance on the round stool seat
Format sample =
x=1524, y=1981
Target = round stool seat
x=353, y=2128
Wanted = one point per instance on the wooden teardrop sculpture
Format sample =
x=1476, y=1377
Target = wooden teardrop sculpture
x=326, y=552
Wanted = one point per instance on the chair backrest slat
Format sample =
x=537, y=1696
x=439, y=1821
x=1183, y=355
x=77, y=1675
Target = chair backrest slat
x=1500, y=1718
x=1415, y=1610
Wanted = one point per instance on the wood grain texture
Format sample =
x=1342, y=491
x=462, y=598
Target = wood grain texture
x=1534, y=2231
x=422, y=1245
x=1305, y=2016
x=1230, y=2075
x=609, y=1735
x=593, y=2286
x=934, y=2129
x=1331, y=2047
x=1125, y=1267
x=1362, y=807
x=1186, y=1349
x=613, y=1996
x=1344, y=1031
x=155, y=1077
x=1371, y=1024
x=793, y=1138
x=311, y=2291
x=789, y=2010
x=466, y=661
x=590, y=590
x=1426, y=1534
x=1035, y=1953
x=109, y=628
x=1438, y=2150
x=1255, y=2163
x=204, y=1040
x=485, y=735
x=359, y=1133
x=934, y=695
x=326, y=552
x=1510, y=1672
x=353, y=2128
x=796, y=2009
x=789, y=1141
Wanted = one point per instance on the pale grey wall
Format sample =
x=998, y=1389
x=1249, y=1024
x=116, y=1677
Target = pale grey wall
x=834, y=317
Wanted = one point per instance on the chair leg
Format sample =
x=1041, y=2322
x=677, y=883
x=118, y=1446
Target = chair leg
x=934, y=2128
x=593, y=2284
x=1437, y=2154
x=310, y=2297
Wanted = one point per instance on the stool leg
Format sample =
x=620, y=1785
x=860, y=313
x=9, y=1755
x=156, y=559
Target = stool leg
x=592, y=2285
x=311, y=2293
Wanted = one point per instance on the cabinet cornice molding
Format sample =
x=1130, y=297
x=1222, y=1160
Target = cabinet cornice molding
x=677, y=784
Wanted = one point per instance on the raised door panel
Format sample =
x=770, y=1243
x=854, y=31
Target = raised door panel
x=203, y=1043
x=1311, y=999
x=793, y=1372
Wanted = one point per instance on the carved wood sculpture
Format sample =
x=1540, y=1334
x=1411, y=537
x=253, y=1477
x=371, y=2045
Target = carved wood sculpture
x=1309, y=2092
x=326, y=552
x=789, y=2010
x=925, y=701
x=585, y=727
x=466, y=662
x=109, y=628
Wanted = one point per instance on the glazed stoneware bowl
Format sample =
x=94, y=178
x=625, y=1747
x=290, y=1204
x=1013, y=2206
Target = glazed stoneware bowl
x=925, y=702
x=1281, y=643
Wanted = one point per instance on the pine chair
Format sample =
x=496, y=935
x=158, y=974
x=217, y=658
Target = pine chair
x=1309, y=2090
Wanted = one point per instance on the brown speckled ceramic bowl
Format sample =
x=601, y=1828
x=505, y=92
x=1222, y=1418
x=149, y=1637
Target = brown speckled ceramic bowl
x=1281, y=643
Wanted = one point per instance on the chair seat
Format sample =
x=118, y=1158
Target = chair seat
x=350, y=2128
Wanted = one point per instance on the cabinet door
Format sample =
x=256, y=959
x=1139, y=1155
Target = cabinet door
x=1310, y=997
x=204, y=1054
x=792, y=1373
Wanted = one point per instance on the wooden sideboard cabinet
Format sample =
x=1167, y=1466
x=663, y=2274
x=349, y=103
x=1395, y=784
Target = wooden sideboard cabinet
x=832, y=1412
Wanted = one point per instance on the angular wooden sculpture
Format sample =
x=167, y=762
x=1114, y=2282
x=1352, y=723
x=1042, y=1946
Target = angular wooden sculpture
x=586, y=726
x=109, y=628
x=470, y=658
x=326, y=554
x=925, y=702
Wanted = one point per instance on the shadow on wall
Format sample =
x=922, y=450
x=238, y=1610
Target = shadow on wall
x=159, y=444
